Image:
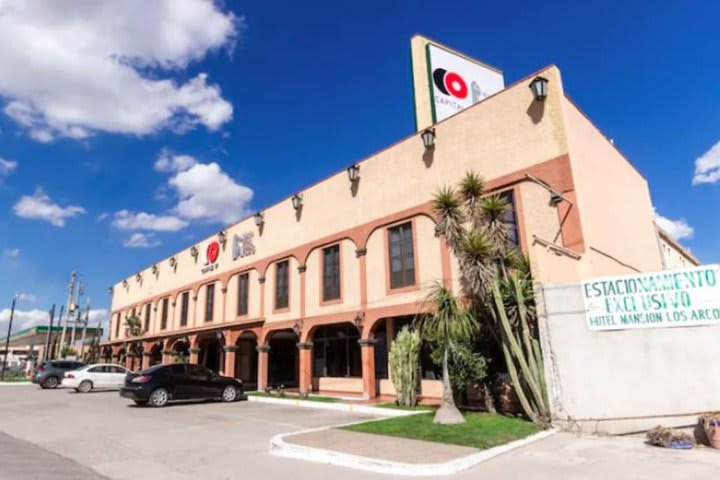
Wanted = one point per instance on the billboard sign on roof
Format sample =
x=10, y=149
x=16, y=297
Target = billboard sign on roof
x=457, y=82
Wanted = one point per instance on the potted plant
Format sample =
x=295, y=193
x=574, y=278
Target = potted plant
x=670, y=438
x=711, y=424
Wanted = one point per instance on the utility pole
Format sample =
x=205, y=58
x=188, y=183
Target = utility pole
x=7, y=339
x=71, y=291
x=53, y=342
x=78, y=294
x=46, y=353
x=85, y=324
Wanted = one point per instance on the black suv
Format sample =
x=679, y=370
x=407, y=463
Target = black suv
x=163, y=383
x=50, y=374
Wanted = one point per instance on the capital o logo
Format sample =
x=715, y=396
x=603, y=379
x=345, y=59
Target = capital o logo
x=212, y=252
x=450, y=83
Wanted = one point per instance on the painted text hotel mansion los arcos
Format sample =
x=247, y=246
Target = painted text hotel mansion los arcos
x=308, y=293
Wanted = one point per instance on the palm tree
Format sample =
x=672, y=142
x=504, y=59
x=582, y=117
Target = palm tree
x=447, y=324
x=495, y=282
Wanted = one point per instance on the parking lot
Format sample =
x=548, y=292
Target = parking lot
x=65, y=435
x=116, y=439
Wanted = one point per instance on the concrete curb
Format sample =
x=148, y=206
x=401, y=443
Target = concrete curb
x=9, y=384
x=338, y=407
x=282, y=448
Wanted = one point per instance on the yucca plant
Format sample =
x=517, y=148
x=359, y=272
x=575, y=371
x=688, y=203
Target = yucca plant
x=496, y=283
x=446, y=324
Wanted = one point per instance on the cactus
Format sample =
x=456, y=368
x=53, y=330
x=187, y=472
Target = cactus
x=403, y=361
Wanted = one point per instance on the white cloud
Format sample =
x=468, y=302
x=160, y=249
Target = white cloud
x=28, y=297
x=102, y=216
x=707, y=166
x=111, y=65
x=30, y=318
x=678, y=229
x=11, y=253
x=142, y=240
x=22, y=319
x=7, y=167
x=168, y=162
x=206, y=193
x=39, y=206
x=127, y=220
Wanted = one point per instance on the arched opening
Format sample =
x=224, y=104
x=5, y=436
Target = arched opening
x=135, y=354
x=211, y=352
x=181, y=351
x=122, y=355
x=336, y=352
x=246, y=360
x=156, y=354
x=106, y=355
x=283, y=365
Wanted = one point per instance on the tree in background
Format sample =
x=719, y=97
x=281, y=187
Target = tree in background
x=495, y=282
x=403, y=360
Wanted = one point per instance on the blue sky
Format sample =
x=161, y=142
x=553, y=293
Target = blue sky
x=113, y=130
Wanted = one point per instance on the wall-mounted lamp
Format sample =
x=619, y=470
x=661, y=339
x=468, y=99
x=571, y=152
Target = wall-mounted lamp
x=259, y=219
x=359, y=320
x=111, y=290
x=172, y=262
x=353, y=172
x=155, y=269
x=539, y=87
x=297, y=327
x=222, y=238
x=194, y=252
x=428, y=138
x=138, y=277
x=297, y=201
x=125, y=283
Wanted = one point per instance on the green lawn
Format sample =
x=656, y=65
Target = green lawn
x=482, y=430
x=311, y=398
x=15, y=379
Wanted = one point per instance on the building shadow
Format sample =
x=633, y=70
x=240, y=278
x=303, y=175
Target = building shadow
x=355, y=187
x=298, y=213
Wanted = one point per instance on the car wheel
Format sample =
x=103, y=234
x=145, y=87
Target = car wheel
x=85, y=386
x=159, y=397
x=229, y=394
x=51, y=382
x=141, y=403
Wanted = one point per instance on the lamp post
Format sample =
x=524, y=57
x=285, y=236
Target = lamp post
x=7, y=339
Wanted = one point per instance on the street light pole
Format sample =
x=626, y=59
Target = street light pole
x=7, y=339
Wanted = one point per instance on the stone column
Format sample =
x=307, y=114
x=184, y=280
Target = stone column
x=367, y=350
x=145, y=360
x=167, y=356
x=230, y=354
x=305, y=353
x=129, y=360
x=194, y=355
x=263, y=360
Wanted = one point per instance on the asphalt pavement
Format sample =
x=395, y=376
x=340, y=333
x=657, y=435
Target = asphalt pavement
x=60, y=434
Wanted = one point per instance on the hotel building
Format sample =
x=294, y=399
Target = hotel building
x=309, y=292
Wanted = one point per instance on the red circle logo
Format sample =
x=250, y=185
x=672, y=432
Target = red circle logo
x=213, y=250
x=450, y=83
x=456, y=85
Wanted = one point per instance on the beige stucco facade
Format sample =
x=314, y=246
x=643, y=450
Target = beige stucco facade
x=674, y=255
x=602, y=225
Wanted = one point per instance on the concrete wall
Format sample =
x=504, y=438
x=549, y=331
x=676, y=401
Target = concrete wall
x=624, y=380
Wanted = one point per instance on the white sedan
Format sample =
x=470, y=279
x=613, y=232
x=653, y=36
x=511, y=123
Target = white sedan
x=96, y=377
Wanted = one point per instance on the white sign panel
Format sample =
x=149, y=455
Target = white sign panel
x=457, y=83
x=671, y=298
